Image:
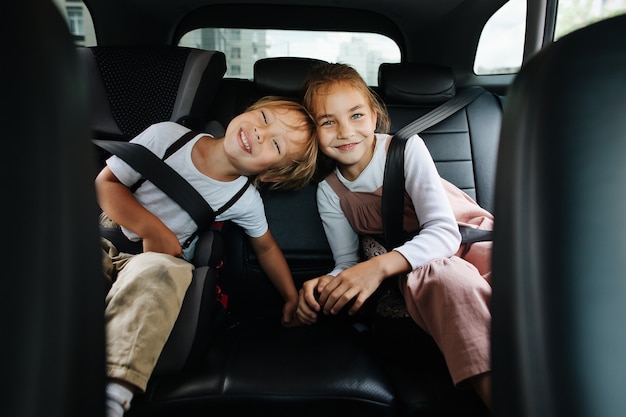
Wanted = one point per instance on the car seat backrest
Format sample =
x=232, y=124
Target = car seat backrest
x=559, y=293
x=283, y=76
x=53, y=314
x=132, y=88
x=464, y=146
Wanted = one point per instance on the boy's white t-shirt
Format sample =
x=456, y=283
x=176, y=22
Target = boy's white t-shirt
x=248, y=212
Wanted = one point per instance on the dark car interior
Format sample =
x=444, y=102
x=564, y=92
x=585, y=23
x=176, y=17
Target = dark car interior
x=542, y=150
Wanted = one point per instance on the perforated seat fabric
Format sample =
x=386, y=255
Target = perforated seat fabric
x=132, y=88
x=465, y=145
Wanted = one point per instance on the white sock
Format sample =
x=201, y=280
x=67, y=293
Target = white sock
x=118, y=399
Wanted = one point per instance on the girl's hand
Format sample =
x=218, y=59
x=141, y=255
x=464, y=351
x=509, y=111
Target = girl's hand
x=358, y=283
x=355, y=284
x=307, y=303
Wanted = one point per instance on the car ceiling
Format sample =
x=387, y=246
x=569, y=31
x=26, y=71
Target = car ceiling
x=437, y=31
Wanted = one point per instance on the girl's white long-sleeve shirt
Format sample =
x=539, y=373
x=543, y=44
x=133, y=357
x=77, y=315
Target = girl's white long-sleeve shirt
x=439, y=235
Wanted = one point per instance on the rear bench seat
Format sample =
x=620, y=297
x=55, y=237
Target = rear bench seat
x=388, y=367
x=256, y=367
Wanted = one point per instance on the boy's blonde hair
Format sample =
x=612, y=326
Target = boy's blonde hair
x=298, y=172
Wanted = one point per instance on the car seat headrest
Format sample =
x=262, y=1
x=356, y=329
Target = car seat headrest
x=283, y=76
x=415, y=83
x=132, y=88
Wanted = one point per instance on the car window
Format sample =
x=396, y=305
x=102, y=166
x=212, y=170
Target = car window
x=78, y=21
x=575, y=14
x=364, y=51
x=501, y=45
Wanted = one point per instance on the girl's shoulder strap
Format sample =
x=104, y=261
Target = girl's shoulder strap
x=338, y=187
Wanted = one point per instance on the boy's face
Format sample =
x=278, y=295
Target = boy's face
x=265, y=138
x=345, y=125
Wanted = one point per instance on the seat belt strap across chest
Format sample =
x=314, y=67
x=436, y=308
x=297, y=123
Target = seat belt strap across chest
x=154, y=169
x=393, y=181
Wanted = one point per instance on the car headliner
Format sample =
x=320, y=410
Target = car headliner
x=436, y=31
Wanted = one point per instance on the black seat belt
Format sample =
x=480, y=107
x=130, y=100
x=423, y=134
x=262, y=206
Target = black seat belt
x=393, y=181
x=154, y=169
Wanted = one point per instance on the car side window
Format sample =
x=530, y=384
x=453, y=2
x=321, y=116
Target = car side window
x=575, y=14
x=501, y=45
x=78, y=20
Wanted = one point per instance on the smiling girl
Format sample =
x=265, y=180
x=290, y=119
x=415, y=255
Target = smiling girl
x=444, y=294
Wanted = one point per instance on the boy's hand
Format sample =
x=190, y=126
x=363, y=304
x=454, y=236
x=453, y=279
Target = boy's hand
x=308, y=304
x=121, y=206
x=164, y=241
x=289, y=318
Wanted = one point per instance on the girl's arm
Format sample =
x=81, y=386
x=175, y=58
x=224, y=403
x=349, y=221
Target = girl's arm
x=275, y=266
x=118, y=202
x=342, y=239
x=353, y=280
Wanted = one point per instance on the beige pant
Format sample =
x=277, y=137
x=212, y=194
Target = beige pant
x=141, y=308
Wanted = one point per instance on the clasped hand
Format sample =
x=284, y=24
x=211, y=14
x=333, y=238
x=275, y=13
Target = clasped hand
x=354, y=285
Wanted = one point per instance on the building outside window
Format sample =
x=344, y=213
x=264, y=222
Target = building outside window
x=75, y=20
x=235, y=70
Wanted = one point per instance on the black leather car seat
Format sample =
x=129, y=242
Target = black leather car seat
x=283, y=76
x=559, y=288
x=464, y=146
x=52, y=320
x=256, y=364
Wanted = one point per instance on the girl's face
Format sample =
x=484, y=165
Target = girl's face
x=345, y=126
x=265, y=138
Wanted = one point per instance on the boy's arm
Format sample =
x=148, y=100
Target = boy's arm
x=275, y=266
x=119, y=203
